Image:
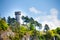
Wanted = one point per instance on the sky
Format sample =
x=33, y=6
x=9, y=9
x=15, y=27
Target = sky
x=43, y=11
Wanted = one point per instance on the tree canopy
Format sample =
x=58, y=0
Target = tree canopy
x=3, y=25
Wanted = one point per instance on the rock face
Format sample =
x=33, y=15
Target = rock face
x=1, y=37
x=35, y=38
x=26, y=37
x=4, y=35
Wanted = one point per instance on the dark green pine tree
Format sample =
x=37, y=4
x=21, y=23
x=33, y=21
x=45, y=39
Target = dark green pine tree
x=23, y=18
x=3, y=18
x=11, y=21
x=31, y=20
x=46, y=27
x=26, y=20
x=58, y=30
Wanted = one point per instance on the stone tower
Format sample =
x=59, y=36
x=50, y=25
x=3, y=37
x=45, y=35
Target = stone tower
x=17, y=15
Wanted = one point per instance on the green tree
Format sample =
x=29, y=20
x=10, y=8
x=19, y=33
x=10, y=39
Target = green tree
x=46, y=27
x=38, y=24
x=23, y=18
x=31, y=26
x=23, y=30
x=31, y=20
x=58, y=30
x=3, y=18
x=11, y=21
x=3, y=25
x=57, y=37
x=49, y=35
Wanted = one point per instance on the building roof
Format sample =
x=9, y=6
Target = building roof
x=18, y=13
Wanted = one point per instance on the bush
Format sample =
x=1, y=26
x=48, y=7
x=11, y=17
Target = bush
x=3, y=25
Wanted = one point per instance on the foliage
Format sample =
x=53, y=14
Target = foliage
x=16, y=37
x=3, y=18
x=11, y=21
x=21, y=30
x=31, y=27
x=58, y=30
x=46, y=27
x=25, y=19
x=57, y=36
x=3, y=25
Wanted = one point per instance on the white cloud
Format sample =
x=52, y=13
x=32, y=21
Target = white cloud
x=34, y=10
x=54, y=11
x=51, y=20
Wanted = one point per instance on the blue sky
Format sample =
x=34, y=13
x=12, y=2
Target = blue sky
x=44, y=11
